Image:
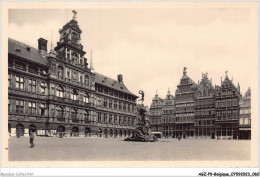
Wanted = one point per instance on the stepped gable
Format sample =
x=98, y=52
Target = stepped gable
x=25, y=51
x=205, y=87
x=112, y=83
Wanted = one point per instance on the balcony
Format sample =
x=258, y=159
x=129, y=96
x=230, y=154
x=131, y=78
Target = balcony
x=75, y=120
x=61, y=119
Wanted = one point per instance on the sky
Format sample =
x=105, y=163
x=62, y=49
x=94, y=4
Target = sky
x=150, y=46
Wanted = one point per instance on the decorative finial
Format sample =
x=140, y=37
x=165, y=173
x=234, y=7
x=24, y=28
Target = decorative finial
x=226, y=73
x=74, y=15
x=141, y=93
x=168, y=90
x=184, y=70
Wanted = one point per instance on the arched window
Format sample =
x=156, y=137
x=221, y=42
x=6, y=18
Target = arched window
x=86, y=80
x=59, y=92
x=59, y=112
x=60, y=72
x=74, y=94
x=86, y=98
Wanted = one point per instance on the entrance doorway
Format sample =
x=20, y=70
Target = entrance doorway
x=19, y=130
x=75, y=131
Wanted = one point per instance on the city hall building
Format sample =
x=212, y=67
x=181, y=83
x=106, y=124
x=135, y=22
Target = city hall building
x=57, y=92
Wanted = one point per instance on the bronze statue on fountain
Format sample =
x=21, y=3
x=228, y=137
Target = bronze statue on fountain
x=142, y=132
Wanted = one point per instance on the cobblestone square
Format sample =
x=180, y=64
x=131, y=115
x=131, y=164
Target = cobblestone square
x=115, y=149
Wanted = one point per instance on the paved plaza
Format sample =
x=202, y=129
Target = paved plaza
x=115, y=149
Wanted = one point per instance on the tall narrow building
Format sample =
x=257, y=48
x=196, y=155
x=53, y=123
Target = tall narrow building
x=155, y=115
x=184, y=103
x=168, y=116
x=205, y=109
x=245, y=116
x=227, y=109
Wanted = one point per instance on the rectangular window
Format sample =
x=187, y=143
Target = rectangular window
x=19, y=82
x=99, y=117
x=124, y=107
x=241, y=121
x=105, y=118
x=32, y=85
x=105, y=102
x=235, y=102
x=110, y=118
x=115, y=104
x=110, y=103
x=19, y=106
x=120, y=106
x=43, y=87
x=42, y=109
x=9, y=80
x=32, y=108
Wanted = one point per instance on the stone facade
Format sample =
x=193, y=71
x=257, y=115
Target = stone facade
x=156, y=113
x=168, y=116
x=185, y=104
x=58, y=93
x=205, y=111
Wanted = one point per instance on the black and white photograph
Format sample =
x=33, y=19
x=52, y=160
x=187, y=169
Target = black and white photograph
x=130, y=84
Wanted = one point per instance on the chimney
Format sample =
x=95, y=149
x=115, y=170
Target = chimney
x=120, y=78
x=42, y=45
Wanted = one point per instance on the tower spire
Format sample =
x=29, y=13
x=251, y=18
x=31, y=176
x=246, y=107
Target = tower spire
x=51, y=40
x=91, y=64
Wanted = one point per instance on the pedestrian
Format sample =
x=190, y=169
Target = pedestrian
x=32, y=138
x=179, y=137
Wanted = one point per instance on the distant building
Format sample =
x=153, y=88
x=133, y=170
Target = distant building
x=184, y=102
x=205, y=109
x=58, y=93
x=245, y=116
x=168, y=116
x=227, y=109
x=155, y=114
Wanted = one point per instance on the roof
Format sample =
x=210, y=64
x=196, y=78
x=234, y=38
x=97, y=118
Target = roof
x=247, y=95
x=106, y=81
x=25, y=51
x=169, y=96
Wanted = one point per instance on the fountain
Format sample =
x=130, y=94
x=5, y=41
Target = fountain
x=142, y=132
